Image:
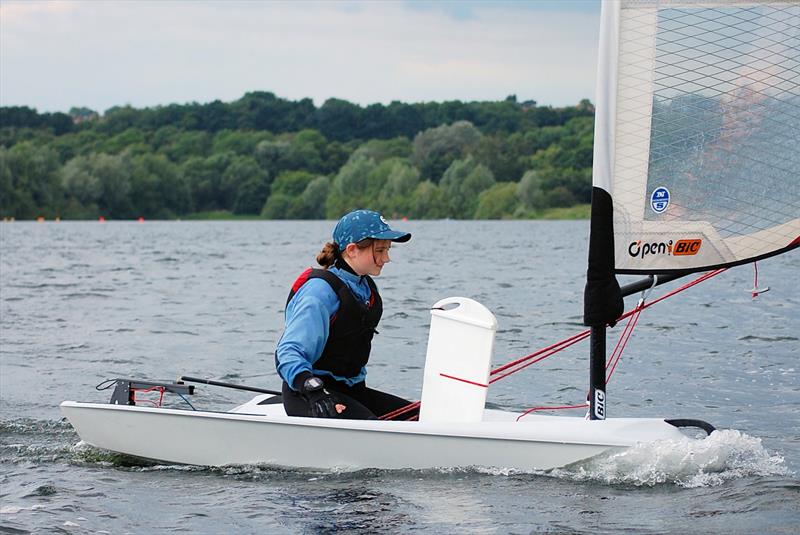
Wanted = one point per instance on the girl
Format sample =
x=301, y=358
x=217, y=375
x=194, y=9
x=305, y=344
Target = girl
x=331, y=316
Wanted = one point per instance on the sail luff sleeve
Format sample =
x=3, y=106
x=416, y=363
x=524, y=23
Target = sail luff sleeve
x=602, y=298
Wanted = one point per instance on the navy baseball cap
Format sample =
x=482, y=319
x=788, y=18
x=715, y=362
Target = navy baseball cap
x=362, y=224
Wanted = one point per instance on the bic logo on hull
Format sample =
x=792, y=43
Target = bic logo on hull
x=599, y=404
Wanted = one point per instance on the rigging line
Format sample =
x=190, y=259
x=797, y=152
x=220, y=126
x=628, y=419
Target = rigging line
x=756, y=291
x=187, y=401
x=159, y=389
x=627, y=332
x=573, y=340
x=402, y=410
x=550, y=350
x=621, y=344
x=633, y=317
x=538, y=352
x=615, y=355
x=466, y=381
x=551, y=408
x=704, y=277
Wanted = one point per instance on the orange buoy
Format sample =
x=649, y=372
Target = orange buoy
x=101, y=219
x=141, y=220
x=40, y=219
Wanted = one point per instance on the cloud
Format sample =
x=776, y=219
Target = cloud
x=54, y=55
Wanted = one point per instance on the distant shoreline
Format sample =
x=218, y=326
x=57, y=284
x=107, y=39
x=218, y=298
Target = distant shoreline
x=580, y=211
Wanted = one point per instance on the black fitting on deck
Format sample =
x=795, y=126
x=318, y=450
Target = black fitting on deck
x=688, y=422
x=125, y=388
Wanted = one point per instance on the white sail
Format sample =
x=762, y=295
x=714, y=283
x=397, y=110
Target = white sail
x=697, y=139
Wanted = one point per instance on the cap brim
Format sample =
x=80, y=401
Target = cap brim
x=393, y=235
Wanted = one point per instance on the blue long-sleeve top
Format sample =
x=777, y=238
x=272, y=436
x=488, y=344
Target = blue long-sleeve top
x=308, y=317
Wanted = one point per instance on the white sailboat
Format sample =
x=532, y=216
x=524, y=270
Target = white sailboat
x=696, y=167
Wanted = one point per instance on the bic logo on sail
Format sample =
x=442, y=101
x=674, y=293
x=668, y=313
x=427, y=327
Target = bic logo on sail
x=638, y=249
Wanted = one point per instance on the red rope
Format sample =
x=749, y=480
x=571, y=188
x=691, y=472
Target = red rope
x=572, y=340
x=160, y=389
x=704, y=277
x=551, y=408
x=401, y=411
x=622, y=342
x=473, y=383
x=756, y=291
x=581, y=334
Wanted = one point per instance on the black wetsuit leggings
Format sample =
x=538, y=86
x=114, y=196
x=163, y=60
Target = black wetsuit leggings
x=362, y=403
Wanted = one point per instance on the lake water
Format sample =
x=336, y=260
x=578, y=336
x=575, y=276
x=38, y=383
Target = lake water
x=84, y=302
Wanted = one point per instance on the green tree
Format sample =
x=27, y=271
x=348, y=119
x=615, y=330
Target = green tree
x=382, y=149
x=243, y=170
x=339, y=120
x=102, y=183
x=183, y=145
x=158, y=190
x=241, y=142
x=311, y=203
x=277, y=206
x=272, y=155
x=76, y=143
x=30, y=182
x=285, y=200
x=437, y=148
x=498, y=202
x=114, y=173
x=205, y=177
x=81, y=184
x=292, y=183
x=531, y=192
x=250, y=196
x=395, y=197
x=306, y=152
x=122, y=141
x=502, y=155
x=349, y=187
x=428, y=202
x=461, y=184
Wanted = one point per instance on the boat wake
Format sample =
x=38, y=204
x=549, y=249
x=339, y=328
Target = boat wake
x=723, y=456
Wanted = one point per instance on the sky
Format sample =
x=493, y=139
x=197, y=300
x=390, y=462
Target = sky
x=58, y=54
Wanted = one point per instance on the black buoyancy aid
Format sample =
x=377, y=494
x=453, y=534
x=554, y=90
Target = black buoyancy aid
x=352, y=327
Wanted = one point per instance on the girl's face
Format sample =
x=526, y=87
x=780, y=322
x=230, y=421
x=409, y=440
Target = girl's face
x=369, y=260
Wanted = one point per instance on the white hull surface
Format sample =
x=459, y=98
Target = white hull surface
x=256, y=434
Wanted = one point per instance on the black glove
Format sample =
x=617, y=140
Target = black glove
x=322, y=403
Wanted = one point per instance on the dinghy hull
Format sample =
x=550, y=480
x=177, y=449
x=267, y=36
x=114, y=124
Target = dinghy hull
x=234, y=438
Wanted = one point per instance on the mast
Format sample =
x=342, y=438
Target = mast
x=602, y=298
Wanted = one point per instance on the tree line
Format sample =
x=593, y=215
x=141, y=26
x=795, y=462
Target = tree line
x=266, y=156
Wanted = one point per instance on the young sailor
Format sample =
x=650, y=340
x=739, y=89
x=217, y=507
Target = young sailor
x=331, y=317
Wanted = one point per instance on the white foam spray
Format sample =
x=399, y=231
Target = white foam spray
x=725, y=455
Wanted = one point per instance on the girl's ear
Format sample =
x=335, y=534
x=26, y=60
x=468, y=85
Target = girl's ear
x=350, y=249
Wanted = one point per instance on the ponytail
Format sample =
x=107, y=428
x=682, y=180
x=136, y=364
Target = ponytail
x=330, y=253
x=327, y=256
